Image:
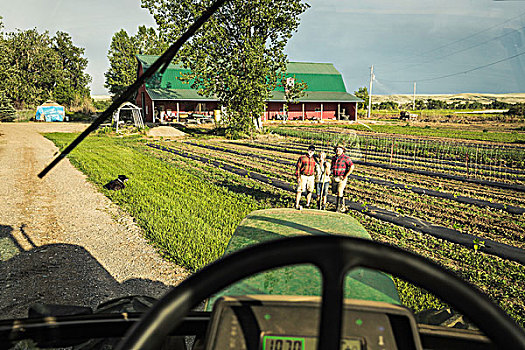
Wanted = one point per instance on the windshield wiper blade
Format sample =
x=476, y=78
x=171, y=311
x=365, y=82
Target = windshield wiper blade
x=163, y=61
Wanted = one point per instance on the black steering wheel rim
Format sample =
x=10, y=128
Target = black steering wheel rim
x=334, y=256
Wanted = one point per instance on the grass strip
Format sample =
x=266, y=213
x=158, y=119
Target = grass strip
x=182, y=214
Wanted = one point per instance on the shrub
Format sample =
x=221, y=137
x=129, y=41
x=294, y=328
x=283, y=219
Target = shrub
x=7, y=111
x=516, y=109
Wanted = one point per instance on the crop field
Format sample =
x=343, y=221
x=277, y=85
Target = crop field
x=491, y=162
x=516, y=136
x=189, y=208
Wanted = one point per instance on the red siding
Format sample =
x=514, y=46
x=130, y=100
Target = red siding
x=312, y=110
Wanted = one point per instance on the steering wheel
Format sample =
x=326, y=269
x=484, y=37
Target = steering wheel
x=334, y=256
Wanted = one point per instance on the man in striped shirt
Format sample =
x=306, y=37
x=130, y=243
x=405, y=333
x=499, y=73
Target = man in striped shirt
x=304, y=172
x=342, y=167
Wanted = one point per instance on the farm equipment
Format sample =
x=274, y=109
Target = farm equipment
x=288, y=280
x=407, y=116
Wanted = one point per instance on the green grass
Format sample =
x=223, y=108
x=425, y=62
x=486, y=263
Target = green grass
x=490, y=136
x=183, y=214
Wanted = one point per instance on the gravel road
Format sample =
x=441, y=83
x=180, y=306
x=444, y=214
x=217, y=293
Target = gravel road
x=61, y=241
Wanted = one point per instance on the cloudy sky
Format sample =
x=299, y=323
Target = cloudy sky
x=445, y=46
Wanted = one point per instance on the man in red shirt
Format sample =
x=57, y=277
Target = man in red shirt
x=304, y=172
x=342, y=166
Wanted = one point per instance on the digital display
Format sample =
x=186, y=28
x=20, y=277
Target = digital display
x=283, y=342
x=271, y=342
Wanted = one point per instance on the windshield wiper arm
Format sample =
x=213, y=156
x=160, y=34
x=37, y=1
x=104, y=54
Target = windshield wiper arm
x=163, y=61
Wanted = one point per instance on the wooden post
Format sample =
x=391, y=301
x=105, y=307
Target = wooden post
x=392, y=152
x=321, y=112
x=153, y=111
x=338, y=111
x=178, y=113
x=466, y=163
x=303, y=111
x=355, y=111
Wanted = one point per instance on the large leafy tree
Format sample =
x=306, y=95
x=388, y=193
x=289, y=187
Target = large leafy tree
x=35, y=67
x=123, y=64
x=72, y=82
x=238, y=55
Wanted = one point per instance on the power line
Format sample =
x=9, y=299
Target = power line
x=458, y=73
x=456, y=52
x=472, y=35
x=460, y=40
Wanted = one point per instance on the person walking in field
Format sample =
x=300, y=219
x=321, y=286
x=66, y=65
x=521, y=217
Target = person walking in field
x=304, y=172
x=322, y=180
x=342, y=167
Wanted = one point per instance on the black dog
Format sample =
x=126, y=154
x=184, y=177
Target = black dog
x=117, y=184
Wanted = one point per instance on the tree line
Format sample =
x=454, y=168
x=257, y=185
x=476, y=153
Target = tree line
x=433, y=104
x=36, y=67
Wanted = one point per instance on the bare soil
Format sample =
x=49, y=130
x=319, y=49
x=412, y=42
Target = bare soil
x=62, y=241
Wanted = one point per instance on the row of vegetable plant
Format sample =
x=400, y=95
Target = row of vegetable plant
x=501, y=279
x=496, y=161
x=491, y=224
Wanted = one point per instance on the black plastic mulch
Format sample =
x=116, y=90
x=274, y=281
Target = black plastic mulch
x=490, y=247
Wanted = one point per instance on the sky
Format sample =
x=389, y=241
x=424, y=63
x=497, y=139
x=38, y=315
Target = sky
x=444, y=46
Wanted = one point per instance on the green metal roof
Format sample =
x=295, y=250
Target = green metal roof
x=325, y=83
x=177, y=94
x=147, y=60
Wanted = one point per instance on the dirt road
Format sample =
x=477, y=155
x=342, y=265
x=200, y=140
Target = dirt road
x=61, y=241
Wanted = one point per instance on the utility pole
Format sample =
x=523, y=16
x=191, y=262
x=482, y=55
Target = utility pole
x=414, y=99
x=370, y=91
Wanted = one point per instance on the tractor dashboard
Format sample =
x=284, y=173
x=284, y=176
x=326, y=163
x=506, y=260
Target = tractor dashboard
x=269, y=322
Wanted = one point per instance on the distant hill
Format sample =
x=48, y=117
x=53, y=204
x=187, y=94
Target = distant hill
x=466, y=97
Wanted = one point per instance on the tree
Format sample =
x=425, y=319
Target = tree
x=7, y=112
x=238, y=54
x=72, y=82
x=123, y=63
x=517, y=109
x=35, y=67
x=362, y=93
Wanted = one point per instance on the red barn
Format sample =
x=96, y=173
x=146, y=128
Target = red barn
x=166, y=97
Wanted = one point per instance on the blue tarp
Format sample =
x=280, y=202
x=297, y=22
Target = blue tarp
x=50, y=113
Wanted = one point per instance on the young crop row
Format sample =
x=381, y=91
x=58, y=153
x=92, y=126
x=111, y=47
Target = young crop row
x=502, y=280
x=461, y=135
x=395, y=153
x=478, y=160
x=470, y=189
x=491, y=224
